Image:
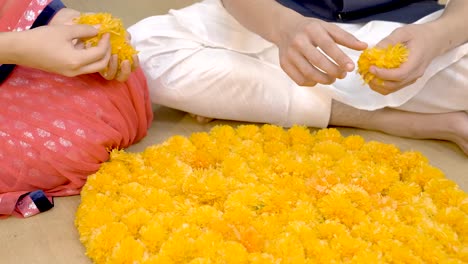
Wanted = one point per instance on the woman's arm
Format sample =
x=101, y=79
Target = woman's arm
x=53, y=49
x=113, y=70
x=8, y=47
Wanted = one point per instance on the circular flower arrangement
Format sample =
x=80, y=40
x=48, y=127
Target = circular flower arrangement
x=269, y=195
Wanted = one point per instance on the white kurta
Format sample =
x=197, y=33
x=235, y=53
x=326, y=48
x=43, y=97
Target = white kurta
x=201, y=60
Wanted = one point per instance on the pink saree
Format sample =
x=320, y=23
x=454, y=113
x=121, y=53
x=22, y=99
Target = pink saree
x=55, y=130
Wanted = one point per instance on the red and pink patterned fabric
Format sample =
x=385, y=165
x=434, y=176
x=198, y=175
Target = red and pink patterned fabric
x=55, y=130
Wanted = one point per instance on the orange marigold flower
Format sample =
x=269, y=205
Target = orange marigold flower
x=118, y=34
x=389, y=58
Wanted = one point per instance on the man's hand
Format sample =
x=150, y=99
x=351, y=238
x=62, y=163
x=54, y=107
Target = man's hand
x=423, y=47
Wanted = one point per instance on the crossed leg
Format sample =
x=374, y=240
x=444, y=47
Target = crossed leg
x=451, y=126
x=447, y=126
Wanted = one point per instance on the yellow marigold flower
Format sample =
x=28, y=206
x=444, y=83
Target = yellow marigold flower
x=249, y=132
x=372, y=231
x=378, y=152
x=203, y=215
x=275, y=134
x=206, y=185
x=158, y=259
x=335, y=150
x=348, y=246
x=330, y=229
x=288, y=248
x=136, y=219
x=153, y=235
x=118, y=34
x=128, y=250
x=367, y=256
x=273, y=148
x=102, y=243
x=456, y=218
x=388, y=58
x=92, y=219
x=406, y=161
x=424, y=173
x=206, y=245
x=331, y=134
x=403, y=191
x=262, y=258
x=300, y=135
x=353, y=142
x=232, y=253
x=201, y=261
x=224, y=135
x=376, y=178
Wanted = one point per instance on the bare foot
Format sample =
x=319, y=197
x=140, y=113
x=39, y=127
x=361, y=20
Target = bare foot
x=201, y=119
x=447, y=126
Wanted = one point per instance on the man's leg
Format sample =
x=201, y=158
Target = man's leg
x=447, y=126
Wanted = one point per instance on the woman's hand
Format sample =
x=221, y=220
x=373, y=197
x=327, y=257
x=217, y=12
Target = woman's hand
x=423, y=46
x=121, y=74
x=113, y=70
x=309, y=51
x=55, y=49
x=64, y=17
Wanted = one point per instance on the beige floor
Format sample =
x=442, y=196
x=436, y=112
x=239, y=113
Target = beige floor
x=51, y=237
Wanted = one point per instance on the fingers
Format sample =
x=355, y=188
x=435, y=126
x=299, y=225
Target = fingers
x=300, y=71
x=201, y=119
x=339, y=36
x=112, y=68
x=81, y=31
x=388, y=87
x=128, y=36
x=125, y=71
x=93, y=54
x=344, y=38
x=96, y=66
x=407, y=72
x=396, y=75
x=330, y=47
x=316, y=58
x=392, y=39
x=136, y=62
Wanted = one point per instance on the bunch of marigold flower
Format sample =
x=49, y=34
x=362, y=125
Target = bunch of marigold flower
x=389, y=58
x=118, y=34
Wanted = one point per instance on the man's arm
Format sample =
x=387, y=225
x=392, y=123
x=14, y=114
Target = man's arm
x=267, y=18
x=308, y=47
x=451, y=26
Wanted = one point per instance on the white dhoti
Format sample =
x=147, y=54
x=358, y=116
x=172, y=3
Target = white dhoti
x=201, y=60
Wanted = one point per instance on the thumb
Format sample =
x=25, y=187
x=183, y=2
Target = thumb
x=82, y=31
x=384, y=43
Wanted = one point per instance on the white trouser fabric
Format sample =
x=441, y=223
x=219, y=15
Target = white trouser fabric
x=199, y=59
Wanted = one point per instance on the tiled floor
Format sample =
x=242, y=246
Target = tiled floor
x=51, y=238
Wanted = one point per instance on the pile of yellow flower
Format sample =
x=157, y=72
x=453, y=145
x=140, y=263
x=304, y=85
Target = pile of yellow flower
x=118, y=34
x=269, y=195
x=391, y=57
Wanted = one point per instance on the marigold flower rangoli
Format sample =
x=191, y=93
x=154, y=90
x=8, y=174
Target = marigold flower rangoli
x=267, y=195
